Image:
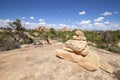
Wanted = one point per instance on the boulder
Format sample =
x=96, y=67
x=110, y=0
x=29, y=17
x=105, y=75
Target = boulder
x=78, y=51
x=118, y=45
x=85, y=52
x=81, y=38
x=67, y=49
x=106, y=67
x=93, y=58
x=79, y=33
x=87, y=65
x=68, y=55
x=76, y=45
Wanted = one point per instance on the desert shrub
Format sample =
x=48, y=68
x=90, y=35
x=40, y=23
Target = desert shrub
x=103, y=46
x=64, y=36
x=114, y=49
x=26, y=40
x=8, y=44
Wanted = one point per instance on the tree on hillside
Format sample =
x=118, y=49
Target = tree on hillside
x=52, y=33
x=16, y=31
x=107, y=38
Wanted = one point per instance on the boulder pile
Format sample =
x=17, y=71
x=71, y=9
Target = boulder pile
x=77, y=50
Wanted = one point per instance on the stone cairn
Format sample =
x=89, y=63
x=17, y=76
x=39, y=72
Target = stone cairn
x=78, y=51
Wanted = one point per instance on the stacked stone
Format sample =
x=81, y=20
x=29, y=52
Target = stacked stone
x=78, y=45
x=78, y=51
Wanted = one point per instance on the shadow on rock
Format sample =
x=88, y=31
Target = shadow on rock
x=117, y=74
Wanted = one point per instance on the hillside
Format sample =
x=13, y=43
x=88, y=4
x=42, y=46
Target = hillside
x=40, y=63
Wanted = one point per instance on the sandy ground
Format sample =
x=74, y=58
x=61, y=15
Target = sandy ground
x=40, y=63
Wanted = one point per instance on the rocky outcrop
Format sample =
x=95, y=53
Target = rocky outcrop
x=78, y=51
x=118, y=45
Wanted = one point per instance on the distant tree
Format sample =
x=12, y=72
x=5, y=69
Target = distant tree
x=107, y=38
x=52, y=33
x=17, y=29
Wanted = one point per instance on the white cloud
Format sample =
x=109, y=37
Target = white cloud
x=82, y=13
x=99, y=19
x=85, y=23
x=29, y=25
x=62, y=25
x=99, y=24
x=73, y=26
x=106, y=13
x=114, y=26
x=4, y=23
x=41, y=20
x=32, y=17
x=106, y=22
x=51, y=25
x=42, y=23
x=27, y=22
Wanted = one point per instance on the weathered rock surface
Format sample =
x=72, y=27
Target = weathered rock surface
x=68, y=55
x=39, y=63
x=75, y=37
x=118, y=45
x=76, y=45
x=84, y=52
x=67, y=49
x=107, y=67
x=78, y=51
x=79, y=33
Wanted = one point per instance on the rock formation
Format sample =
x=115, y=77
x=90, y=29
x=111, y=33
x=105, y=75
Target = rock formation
x=78, y=51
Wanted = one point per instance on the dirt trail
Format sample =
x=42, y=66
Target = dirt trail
x=40, y=63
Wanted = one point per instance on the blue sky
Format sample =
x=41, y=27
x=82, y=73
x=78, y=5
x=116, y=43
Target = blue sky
x=83, y=14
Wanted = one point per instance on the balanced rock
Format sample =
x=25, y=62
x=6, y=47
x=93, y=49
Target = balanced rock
x=76, y=45
x=79, y=33
x=78, y=51
x=68, y=55
x=93, y=58
x=84, y=52
x=67, y=49
x=75, y=37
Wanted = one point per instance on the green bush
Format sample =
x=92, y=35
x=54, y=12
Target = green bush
x=103, y=46
x=114, y=49
x=8, y=44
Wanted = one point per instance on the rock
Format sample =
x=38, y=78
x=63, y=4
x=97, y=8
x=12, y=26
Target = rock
x=68, y=55
x=85, y=52
x=67, y=49
x=76, y=45
x=79, y=33
x=79, y=38
x=36, y=34
x=78, y=51
x=93, y=58
x=118, y=45
x=106, y=67
x=90, y=62
x=84, y=62
x=87, y=65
